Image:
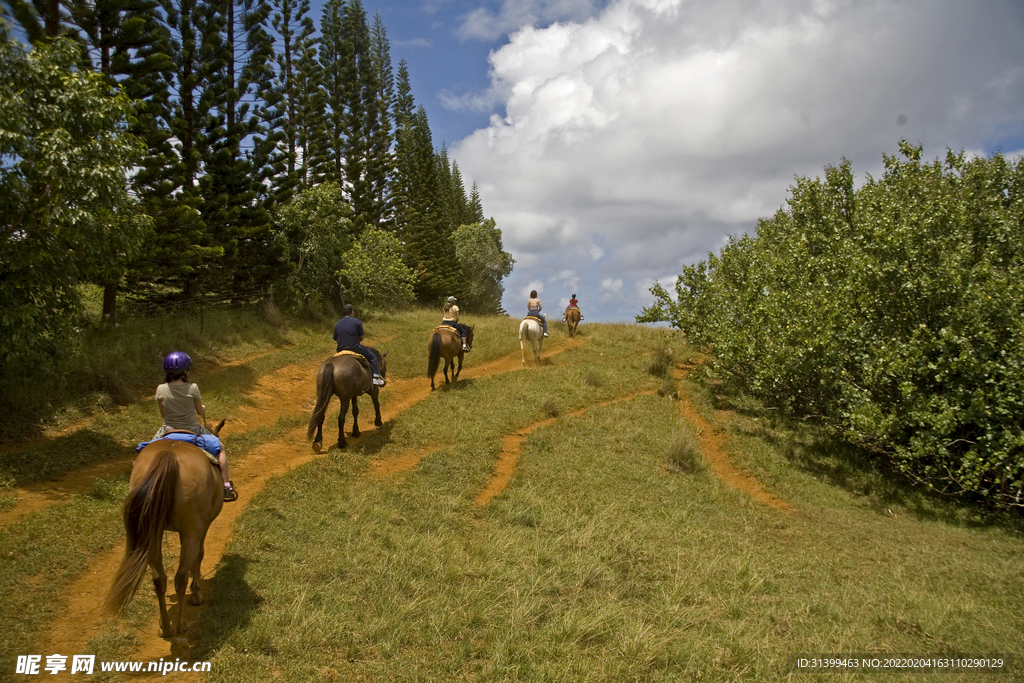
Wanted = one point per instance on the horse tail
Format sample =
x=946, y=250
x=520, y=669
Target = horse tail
x=147, y=512
x=324, y=392
x=433, y=355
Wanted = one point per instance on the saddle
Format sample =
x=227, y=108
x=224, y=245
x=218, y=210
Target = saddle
x=207, y=443
x=450, y=330
x=534, y=317
x=360, y=357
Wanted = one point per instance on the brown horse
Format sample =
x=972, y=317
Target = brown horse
x=572, y=319
x=449, y=346
x=346, y=377
x=175, y=486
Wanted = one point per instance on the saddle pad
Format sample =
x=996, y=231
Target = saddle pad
x=207, y=442
x=448, y=329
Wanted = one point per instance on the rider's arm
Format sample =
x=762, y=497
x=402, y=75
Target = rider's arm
x=200, y=408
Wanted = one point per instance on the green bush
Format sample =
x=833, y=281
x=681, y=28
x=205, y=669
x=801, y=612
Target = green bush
x=894, y=312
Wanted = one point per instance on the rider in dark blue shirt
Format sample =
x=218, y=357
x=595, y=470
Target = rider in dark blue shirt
x=348, y=332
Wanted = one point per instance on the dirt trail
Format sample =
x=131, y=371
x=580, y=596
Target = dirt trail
x=712, y=446
x=512, y=445
x=288, y=391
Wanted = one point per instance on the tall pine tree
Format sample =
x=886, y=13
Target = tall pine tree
x=238, y=50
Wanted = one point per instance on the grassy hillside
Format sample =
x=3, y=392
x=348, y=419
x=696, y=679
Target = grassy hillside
x=610, y=555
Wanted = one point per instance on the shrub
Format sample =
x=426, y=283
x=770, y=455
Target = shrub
x=894, y=313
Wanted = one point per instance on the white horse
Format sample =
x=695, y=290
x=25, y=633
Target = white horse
x=531, y=330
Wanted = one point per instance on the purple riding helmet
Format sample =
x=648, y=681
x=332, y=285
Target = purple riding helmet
x=177, y=362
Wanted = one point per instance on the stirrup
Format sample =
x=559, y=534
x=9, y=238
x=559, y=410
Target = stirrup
x=466, y=349
x=230, y=494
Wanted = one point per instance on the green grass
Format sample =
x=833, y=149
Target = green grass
x=613, y=555
x=595, y=565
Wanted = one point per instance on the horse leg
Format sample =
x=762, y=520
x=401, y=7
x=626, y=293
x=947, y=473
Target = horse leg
x=319, y=440
x=342, y=443
x=186, y=564
x=459, y=371
x=355, y=417
x=156, y=563
x=375, y=397
x=448, y=364
x=196, y=597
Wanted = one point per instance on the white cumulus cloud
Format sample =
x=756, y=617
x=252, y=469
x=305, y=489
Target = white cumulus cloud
x=630, y=139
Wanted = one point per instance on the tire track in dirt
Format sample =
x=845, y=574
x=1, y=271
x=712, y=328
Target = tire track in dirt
x=85, y=618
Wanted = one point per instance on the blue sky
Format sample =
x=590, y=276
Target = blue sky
x=615, y=142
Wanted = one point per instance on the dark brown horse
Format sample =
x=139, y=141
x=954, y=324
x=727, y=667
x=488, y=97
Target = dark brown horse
x=346, y=377
x=572, y=319
x=175, y=486
x=446, y=344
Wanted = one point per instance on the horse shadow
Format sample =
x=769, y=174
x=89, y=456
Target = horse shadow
x=369, y=442
x=230, y=608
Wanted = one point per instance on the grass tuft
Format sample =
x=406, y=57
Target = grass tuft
x=593, y=377
x=661, y=363
x=549, y=408
x=684, y=454
x=668, y=388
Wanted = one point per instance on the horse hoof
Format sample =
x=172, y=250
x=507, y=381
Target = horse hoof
x=342, y=446
x=378, y=423
x=317, y=446
x=179, y=646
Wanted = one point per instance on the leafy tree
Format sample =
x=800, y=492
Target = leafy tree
x=894, y=312
x=317, y=227
x=484, y=266
x=121, y=40
x=374, y=272
x=65, y=214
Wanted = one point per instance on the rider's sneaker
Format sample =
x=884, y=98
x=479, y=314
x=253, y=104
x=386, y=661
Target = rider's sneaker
x=230, y=494
x=545, y=334
x=378, y=381
x=466, y=349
